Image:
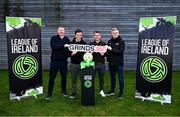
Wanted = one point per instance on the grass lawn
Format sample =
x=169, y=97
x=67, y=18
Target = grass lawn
x=107, y=106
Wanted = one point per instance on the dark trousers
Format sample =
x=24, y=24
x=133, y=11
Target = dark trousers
x=119, y=70
x=75, y=69
x=100, y=68
x=54, y=67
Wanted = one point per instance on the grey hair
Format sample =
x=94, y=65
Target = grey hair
x=114, y=29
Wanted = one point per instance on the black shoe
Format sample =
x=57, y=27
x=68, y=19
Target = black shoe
x=65, y=94
x=110, y=93
x=72, y=96
x=120, y=96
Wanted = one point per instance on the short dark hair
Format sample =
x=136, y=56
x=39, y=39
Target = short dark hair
x=97, y=32
x=77, y=31
x=60, y=26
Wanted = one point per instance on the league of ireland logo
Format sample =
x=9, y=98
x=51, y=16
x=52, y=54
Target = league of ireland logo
x=88, y=84
x=153, y=69
x=88, y=57
x=25, y=66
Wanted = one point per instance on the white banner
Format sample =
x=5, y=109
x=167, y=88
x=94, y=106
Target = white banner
x=87, y=48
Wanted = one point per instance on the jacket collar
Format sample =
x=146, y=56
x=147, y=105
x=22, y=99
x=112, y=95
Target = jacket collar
x=98, y=42
x=74, y=40
x=118, y=38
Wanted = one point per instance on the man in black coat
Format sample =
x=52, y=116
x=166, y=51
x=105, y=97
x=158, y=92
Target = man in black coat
x=116, y=47
x=59, y=55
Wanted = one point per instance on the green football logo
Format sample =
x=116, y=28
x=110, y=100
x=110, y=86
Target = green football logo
x=25, y=66
x=153, y=69
x=88, y=57
x=88, y=84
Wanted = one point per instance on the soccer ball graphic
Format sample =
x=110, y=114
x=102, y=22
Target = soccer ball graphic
x=88, y=57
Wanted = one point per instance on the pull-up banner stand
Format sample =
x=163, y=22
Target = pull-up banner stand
x=155, y=55
x=24, y=56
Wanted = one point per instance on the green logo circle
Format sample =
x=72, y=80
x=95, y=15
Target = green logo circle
x=88, y=57
x=87, y=83
x=153, y=69
x=25, y=66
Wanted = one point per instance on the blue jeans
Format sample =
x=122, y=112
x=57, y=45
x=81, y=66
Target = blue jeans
x=119, y=70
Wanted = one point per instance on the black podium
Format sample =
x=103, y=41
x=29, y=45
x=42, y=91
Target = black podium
x=87, y=86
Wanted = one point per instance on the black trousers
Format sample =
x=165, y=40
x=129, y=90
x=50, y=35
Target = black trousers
x=54, y=67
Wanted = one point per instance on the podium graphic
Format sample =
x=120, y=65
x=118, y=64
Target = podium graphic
x=87, y=80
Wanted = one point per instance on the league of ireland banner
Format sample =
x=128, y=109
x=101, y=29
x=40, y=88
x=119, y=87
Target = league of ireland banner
x=155, y=55
x=24, y=56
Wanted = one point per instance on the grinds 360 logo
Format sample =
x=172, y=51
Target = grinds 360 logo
x=153, y=69
x=25, y=66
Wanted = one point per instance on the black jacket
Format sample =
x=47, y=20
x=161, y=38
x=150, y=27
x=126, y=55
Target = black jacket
x=58, y=51
x=97, y=57
x=116, y=55
x=78, y=57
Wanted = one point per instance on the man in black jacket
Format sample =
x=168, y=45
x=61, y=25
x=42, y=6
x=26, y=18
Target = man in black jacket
x=59, y=55
x=116, y=47
x=98, y=58
x=76, y=58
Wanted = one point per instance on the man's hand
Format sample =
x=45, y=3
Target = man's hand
x=66, y=45
x=109, y=47
x=73, y=53
x=102, y=53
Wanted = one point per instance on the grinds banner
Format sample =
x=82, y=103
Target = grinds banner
x=24, y=56
x=155, y=55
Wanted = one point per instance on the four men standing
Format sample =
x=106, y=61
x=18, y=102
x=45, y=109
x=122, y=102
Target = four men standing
x=60, y=53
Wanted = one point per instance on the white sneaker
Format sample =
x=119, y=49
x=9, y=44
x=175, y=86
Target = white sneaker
x=102, y=93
